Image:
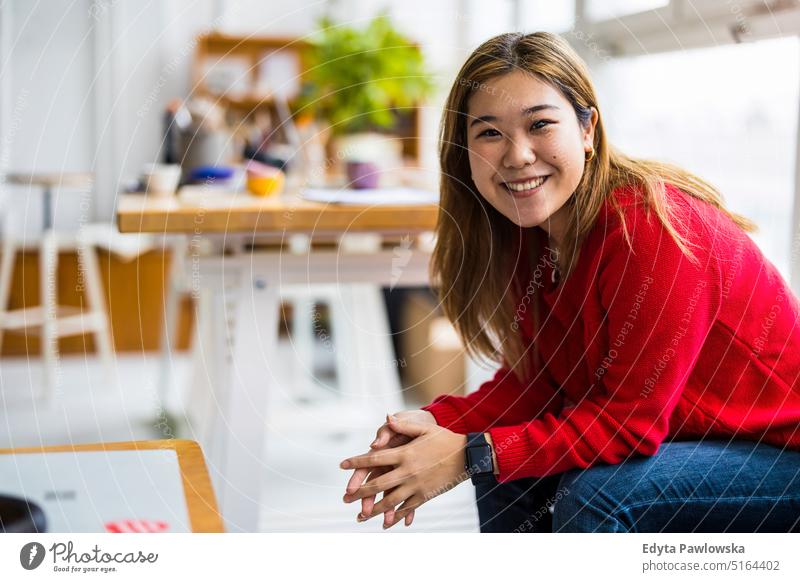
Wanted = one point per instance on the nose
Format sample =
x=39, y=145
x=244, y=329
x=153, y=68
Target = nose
x=519, y=153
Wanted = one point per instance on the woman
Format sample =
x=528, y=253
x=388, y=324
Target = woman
x=651, y=354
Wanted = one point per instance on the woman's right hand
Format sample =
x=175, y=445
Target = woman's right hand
x=386, y=438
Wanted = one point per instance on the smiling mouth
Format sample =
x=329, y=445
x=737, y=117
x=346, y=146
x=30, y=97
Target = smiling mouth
x=525, y=187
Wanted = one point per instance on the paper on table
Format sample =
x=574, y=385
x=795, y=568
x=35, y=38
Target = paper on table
x=100, y=491
x=371, y=197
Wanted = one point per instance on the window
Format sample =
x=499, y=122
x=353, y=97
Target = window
x=547, y=15
x=607, y=9
x=483, y=22
x=727, y=113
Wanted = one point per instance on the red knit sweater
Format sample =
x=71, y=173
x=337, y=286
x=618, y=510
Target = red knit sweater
x=641, y=346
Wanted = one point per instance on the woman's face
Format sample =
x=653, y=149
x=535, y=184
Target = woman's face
x=526, y=149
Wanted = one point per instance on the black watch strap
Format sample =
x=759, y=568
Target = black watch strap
x=478, y=458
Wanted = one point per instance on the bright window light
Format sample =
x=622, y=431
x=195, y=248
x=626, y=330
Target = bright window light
x=728, y=113
x=547, y=15
x=608, y=9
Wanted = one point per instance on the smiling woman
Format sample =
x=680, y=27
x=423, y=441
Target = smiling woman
x=639, y=390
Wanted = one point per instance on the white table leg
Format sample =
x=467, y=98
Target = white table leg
x=248, y=379
x=174, y=288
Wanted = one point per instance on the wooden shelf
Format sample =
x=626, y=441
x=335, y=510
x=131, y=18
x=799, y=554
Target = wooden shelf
x=214, y=48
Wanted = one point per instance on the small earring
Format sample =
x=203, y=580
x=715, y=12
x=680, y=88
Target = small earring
x=589, y=155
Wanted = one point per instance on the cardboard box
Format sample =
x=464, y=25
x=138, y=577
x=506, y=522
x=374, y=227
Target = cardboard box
x=434, y=357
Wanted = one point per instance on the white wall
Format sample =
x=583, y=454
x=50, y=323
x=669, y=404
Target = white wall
x=46, y=69
x=83, y=85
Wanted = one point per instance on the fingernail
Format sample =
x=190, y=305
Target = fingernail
x=385, y=526
x=345, y=464
x=373, y=443
x=360, y=517
x=393, y=418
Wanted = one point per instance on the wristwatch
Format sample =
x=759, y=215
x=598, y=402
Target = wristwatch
x=478, y=458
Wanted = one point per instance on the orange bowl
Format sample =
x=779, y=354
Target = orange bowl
x=265, y=185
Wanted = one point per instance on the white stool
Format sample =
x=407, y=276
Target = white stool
x=366, y=369
x=367, y=379
x=49, y=319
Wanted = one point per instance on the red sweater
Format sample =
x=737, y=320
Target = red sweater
x=637, y=347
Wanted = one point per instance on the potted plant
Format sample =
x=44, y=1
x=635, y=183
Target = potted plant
x=362, y=81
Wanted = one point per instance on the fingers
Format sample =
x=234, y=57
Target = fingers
x=356, y=480
x=373, y=459
x=390, y=500
x=383, y=483
x=398, y=440
x=407, y=510
x=388, y=439
x=408, y=427
x=368, y=502
x=367, y=469
x=382, y=437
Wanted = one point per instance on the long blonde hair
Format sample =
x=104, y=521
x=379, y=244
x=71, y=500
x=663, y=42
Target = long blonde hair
x=477, y=284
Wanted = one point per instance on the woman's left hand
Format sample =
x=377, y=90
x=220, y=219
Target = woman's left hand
x=429, y=465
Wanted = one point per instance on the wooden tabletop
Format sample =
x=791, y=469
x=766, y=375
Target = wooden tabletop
x=200, y=501
x=242, y=213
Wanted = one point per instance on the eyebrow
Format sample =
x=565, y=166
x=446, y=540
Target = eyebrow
x=525, y=112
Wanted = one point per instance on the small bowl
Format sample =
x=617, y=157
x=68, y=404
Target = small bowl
x=265, y=184
x=211, y=174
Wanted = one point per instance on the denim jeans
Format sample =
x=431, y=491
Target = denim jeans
x=708, y=486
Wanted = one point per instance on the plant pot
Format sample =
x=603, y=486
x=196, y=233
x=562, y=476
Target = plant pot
x=367, y=157
x=363, y=175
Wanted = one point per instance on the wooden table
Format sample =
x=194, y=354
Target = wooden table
x=208, y=212
x=238, y=291
x=200, y=500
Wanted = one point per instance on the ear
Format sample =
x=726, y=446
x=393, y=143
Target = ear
x=588, y=131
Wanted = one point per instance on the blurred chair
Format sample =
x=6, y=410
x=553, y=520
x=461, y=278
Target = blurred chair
x=48, y=319
x=367, y=382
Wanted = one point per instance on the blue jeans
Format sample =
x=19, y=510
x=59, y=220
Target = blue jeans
x=709, y=486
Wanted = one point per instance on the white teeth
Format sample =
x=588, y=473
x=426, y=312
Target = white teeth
x=530, y=185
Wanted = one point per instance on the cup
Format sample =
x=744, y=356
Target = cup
x=161, y=179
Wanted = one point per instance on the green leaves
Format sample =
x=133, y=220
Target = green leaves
x=358, y=78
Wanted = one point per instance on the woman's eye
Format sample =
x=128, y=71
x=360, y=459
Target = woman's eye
x=541, y=124
x=489, y=133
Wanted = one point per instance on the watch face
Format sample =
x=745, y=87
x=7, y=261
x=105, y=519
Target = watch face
x=479, y=460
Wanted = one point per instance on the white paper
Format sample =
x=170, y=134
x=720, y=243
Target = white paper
x=371, y=197
x=85, y=491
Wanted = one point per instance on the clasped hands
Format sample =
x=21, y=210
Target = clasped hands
x=411, y=461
